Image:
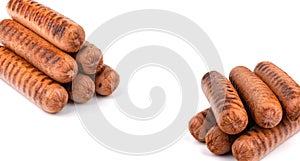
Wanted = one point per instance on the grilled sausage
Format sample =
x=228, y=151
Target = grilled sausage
x=285, y=88
x=82, y=89
x=263, y=105
x=226, y=104
x=89, y=59
x=201, y=123
x=51, y=25
x=258, y=142
x=219, y=142
x=30, y=82
x=37, y=51
x=107, y=81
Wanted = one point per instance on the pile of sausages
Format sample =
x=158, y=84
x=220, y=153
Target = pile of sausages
x=250, y=114
x=46, y=58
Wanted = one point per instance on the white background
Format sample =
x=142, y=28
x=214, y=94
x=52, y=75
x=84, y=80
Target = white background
x=244, y=33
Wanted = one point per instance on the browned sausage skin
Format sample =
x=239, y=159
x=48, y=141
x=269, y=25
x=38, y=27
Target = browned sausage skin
x=226, y=104
x=35, y=85
x=258, y=142
x=37, y=51
x=219, y=142
x=51, y=25
x=89, y=59
x=263, y=105
x=106, y=81
x=285, y=88
x=201, y=123
x=82, y=89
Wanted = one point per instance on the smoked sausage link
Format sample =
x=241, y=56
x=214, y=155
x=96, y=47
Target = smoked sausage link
x=258, y=142
x=218, y=142
x=51, y=25
x=30, y=82
x=37, y=51
x=263, y=105
x=284, y=87
x=201, y=123
x=106, y=81
x=225, y=102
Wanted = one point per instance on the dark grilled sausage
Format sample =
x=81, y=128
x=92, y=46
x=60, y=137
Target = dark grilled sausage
x=201, y=123
x=285, y=88
x=30, y=82
x=263, y=105
x=37, y=51
x=258, y=142
x=106, y=81
x=226, y=104
x=51, y=25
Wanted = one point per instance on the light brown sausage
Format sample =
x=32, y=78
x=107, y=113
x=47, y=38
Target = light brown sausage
x=201, y=123
x=226, y=104
x=258, y=142
x=51, y=25
x=285, y=88
x=40, y=53
x=89, y=59
x=263, y=105
x=30, y=82
x=82, y=89
x=106, y=81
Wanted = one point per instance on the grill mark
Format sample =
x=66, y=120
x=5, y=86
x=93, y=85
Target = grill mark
x=24, y=38
x=13, y=33
x=8, y=32
x=36, y=91
x=42, y=88
x=4, y=25
x=14, y=76
x=28, y=42
x=43, y=53
x=11, y=70
x=27, y=12
x=56, y=26
x=19, y=35
x=275, y=136
x=275, y=79
x=14, y=6
x=20, y=5
x=32, y=46
x=22, y=10
x=43, y=18
x=37, y=50
x=20, y=78
x=33, y=82
x=50, y=23
x=5, y=69
x=48, y=57
x=285, y=130
x=36, y=15
x=289, y=127
x=3, y=61
x=25, y=83
x=10, y=4
x=62, y=32
x=43, y=93
x=270, y=142
x=263, y=143
x=55, y=60
x=258, y=149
